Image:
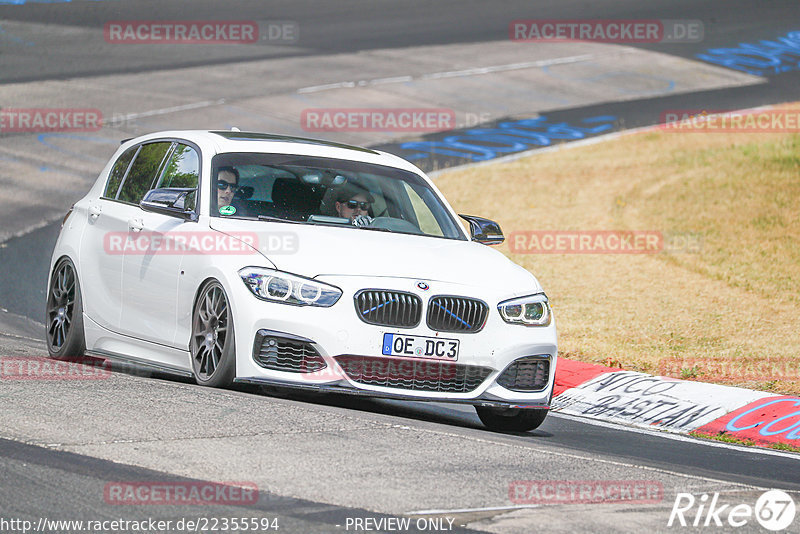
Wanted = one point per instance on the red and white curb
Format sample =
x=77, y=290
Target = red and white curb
x=672, y=405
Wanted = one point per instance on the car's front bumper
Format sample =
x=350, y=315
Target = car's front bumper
x=347, y=388
x=337, y=331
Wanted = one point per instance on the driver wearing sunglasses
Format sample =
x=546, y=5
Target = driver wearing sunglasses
x=227, y=185
x=354, y=202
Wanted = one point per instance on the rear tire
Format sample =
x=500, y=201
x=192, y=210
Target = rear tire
x=64, y=313
x=213, y=346
x=511, y=419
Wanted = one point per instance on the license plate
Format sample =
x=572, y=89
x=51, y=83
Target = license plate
x=435, y=348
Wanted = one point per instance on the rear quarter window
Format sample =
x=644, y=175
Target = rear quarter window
x=118, y=172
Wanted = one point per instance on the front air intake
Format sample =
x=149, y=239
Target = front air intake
x=284, y=352
x=413, y=375
x=528, y=374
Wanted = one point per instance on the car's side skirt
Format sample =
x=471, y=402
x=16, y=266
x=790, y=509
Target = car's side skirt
x=155, y=366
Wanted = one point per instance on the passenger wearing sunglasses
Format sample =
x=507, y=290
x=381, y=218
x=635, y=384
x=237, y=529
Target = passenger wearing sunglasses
x=227, y=185
x=354, y=202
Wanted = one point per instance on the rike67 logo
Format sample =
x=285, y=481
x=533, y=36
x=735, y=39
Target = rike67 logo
x=774, y=510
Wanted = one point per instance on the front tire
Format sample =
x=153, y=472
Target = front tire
x=65, y=336
x=511, y=419
x=213, y=346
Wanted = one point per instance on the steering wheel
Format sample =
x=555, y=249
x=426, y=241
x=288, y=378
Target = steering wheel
x=395, y=225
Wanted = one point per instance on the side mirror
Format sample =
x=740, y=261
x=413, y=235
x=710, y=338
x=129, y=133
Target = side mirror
x=483, y=230
x=169, y=201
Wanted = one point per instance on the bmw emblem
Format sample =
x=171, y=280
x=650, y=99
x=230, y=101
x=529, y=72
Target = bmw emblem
x=423, y=286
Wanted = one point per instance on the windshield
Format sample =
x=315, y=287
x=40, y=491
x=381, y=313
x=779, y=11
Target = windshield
x=312, y=190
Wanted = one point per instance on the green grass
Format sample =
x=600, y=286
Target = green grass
x=724, y=438
x=785, y=447
x=727, y=438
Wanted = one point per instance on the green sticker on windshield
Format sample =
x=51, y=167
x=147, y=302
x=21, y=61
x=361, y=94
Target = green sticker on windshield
x=227, y=210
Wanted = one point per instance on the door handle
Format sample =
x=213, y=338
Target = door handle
x=135, y=225
x=95, y=211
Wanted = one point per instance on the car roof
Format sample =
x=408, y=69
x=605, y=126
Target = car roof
x=219, y=141
x=255, y=136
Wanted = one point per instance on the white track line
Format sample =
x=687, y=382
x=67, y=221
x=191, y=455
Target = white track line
x=511, y=66
x=468, y=510
x=16, y=336
x=32, y=228
x=174, y=109
x=448, y=74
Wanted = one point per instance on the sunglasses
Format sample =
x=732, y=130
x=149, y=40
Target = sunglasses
x=353, y=204
x=222, y=185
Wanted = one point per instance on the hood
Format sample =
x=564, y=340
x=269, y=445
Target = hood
x=315, y=250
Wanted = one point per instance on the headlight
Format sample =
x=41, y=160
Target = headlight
x=530, y=311
x=277, y=286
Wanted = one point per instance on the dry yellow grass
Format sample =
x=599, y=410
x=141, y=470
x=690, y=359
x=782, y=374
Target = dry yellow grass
x=736, y=299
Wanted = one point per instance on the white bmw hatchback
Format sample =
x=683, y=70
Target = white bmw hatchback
x=254, y=258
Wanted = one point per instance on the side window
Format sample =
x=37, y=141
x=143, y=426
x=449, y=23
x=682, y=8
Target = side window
x=182, y=170
x=143, y=172
x=118, y=172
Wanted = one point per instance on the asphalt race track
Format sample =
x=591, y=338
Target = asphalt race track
x=349, y=26
x=321, y=461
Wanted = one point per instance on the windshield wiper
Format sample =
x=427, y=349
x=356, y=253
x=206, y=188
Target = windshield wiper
x=276, y=219
x=374, y=229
